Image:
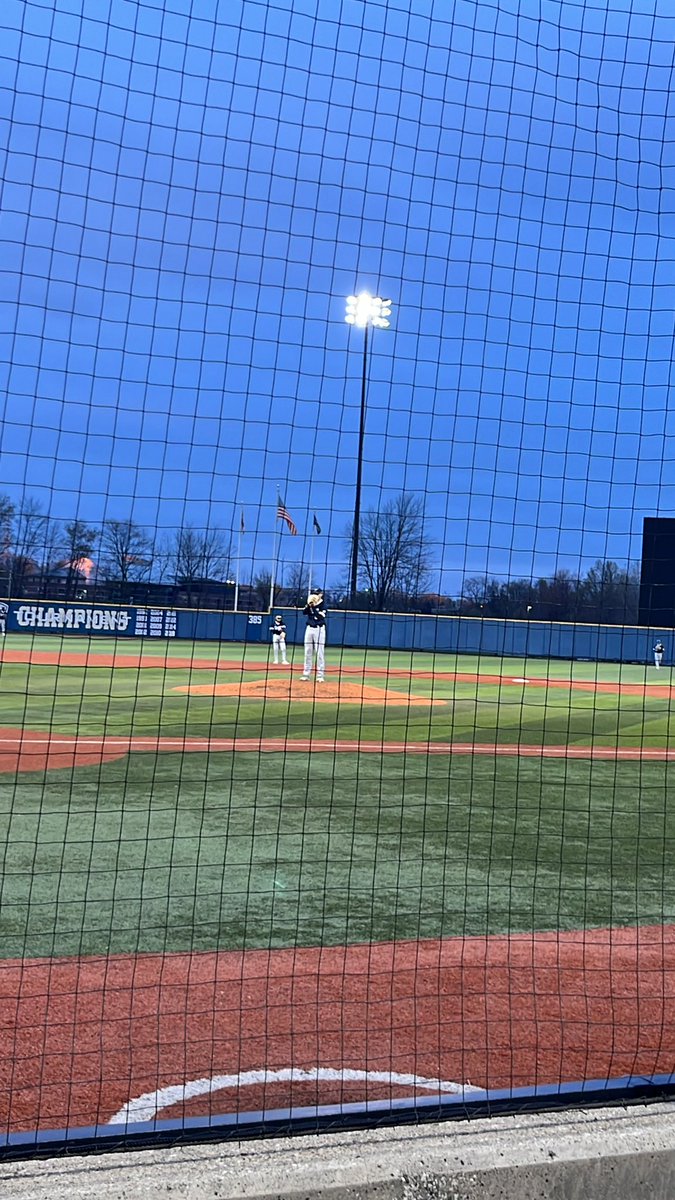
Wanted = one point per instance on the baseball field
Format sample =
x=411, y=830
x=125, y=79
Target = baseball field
x=226, y=890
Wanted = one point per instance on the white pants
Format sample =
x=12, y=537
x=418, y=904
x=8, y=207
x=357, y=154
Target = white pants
x=315, y=640
x=279, y=643
x=658, y=659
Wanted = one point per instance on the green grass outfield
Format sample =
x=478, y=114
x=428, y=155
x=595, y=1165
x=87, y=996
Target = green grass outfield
x=233, y=850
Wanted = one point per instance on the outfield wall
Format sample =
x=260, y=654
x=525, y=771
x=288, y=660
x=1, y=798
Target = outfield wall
x=381, y=631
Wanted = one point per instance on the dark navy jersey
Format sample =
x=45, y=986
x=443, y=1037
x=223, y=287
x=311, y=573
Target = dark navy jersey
x=659, y=648
x=278, y=629
x=316, y=616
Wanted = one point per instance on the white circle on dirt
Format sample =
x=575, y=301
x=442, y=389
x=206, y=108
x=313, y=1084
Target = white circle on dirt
x=147, y=1106
x=519, y=680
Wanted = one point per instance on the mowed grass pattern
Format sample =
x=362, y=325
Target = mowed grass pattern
x=234, y=850
x=244, y=850
x=93, y=700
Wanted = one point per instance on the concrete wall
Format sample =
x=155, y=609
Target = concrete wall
x=603, y=1154
x=381, y=631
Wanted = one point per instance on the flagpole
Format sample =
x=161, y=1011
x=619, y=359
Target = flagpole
x=274, y=556
x=236, y=586
x=315, y=531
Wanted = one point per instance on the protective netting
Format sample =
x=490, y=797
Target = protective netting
x=335, y=704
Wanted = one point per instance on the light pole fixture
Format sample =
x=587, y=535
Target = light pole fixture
x=363, y=311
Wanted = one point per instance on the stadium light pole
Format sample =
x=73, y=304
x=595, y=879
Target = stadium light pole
x=366, y=312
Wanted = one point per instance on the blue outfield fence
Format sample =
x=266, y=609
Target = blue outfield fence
x=372, y=631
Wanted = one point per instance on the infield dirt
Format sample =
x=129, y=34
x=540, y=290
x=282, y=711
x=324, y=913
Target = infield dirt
x=294, y=689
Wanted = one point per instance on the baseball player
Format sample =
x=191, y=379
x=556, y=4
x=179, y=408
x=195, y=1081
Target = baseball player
x=315, y=635
x=659, y=651
x=278, y=631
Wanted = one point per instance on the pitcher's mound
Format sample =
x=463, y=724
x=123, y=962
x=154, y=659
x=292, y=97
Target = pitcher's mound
x=292, y=688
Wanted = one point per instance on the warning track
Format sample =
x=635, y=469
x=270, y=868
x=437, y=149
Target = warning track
x=24, y=750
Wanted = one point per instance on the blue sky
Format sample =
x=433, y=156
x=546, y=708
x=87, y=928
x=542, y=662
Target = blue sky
x=192, y=187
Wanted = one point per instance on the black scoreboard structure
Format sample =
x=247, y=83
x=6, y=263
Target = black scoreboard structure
x=657, y=577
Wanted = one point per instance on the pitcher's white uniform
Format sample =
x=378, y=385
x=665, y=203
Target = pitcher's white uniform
x=315, y=636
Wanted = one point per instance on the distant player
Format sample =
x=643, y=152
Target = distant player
x=659, y=651
x=315, y=635
x=278, y=631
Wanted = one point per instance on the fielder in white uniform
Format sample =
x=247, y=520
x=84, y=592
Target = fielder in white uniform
x=659, y=651
x=278, y=631
x=315, y=635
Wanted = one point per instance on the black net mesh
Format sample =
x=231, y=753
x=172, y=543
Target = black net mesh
x=335, y=698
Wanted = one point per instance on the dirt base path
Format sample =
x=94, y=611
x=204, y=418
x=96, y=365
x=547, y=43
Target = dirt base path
x=27, y=750
x=125, y=1038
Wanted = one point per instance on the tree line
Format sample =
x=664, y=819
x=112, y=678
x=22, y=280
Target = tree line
x=35, y=547
x=396, y=568
x=608, y=593
x=396, y=574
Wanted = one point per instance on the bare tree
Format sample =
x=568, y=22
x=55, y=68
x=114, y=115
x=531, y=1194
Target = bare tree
x=201, y=554
x=557, y=598
x=297, y=585
x=610, y=593
x=29, y=529
x=79, y=544
x=481, y=596
x=6, y=518
x=7, y=509
x=163, y=557
x=126, y=552
x=28, y=535
x=260, y=588
x=394, y=562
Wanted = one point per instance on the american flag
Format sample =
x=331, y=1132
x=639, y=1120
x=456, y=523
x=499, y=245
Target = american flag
x=284, y=515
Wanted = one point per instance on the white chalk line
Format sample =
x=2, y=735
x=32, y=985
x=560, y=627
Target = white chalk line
x=147, y=1106
x=283, y=745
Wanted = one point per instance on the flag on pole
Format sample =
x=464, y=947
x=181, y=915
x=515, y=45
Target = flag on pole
x=242, y=527
x=316, y=524
x=284, y=515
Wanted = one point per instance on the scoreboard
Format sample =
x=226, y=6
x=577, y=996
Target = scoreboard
x=657, y=576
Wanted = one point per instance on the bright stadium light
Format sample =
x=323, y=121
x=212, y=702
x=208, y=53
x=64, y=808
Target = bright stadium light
x=365, y=312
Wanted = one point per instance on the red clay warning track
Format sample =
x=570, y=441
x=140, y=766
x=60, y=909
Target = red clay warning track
x=155, y=662
x=85, y=1040
x=26, y=750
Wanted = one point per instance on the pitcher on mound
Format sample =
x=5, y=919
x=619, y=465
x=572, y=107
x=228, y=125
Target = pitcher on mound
x=315, y=635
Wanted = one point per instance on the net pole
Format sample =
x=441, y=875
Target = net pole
x=236, y=585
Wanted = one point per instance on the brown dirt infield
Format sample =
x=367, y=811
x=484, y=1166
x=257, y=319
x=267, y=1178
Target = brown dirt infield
x=290, y=687
x=84, y=1037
